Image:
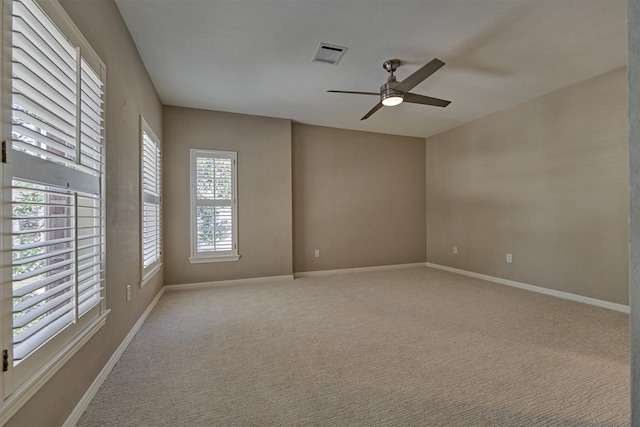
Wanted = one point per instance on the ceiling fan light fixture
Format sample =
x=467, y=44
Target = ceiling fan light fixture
x=392, y=100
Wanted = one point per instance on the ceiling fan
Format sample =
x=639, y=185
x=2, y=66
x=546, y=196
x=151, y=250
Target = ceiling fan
x=394, y=92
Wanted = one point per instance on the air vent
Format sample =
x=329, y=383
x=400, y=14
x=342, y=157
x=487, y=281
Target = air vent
x=329, y=54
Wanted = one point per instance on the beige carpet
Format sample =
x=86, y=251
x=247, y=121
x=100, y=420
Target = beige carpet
x=414, y=347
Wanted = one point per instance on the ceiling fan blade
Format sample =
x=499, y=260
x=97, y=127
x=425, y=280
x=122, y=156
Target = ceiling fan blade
x=356, y=93
x=427, y=100
x=373, y=110
x=414, y=79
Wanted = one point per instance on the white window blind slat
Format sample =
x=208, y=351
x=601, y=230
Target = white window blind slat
x=21, y=118
x=42, y=283
x=26, y=104
x=92, y=119
x=92, y=107
x=55, y=145
x=53, y=313
x=47, y=87
x=88, y=283
x=32, y=39
x=41, y=257
x=43, y=67
x=45, y=82
x=88, y=279
x=29, y=11
x=48, y=99
x=29, y=231
x=92, y=79
x=50, y=298
x=92, y=88
x=52, y=290
x=25, y=344
x=26, y=54
x=91, y=151
x=92, y=163
x=89, y=298
x=89, y=301
x=90, y=136
x=38, y=272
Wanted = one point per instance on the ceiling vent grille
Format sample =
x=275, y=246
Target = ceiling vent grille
x=329, y=54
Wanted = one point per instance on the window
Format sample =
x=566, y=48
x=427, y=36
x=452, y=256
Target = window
x=151, y=181
x=54, y=215
x=214, y=225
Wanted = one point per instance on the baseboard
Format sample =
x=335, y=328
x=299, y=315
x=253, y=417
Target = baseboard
x=559, y=294
x=215, y=284
x=357, y=270
x=77, y=412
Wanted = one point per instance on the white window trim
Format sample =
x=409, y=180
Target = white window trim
x=209, y=257
x=149, y=275
x=219, y=258
x=14, y=396
x=146, y=274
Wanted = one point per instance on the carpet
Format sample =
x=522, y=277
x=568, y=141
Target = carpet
x=407, y=347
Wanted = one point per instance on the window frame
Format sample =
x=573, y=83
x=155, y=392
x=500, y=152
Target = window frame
x=196, y=256
x=19, y=383
x=147, y=273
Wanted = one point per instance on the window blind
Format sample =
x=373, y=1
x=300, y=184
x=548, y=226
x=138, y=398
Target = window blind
x=151, y=193
x=57, y=165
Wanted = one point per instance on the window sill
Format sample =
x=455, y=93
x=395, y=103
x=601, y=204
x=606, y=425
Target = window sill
x=149, y=275
x=223, y=258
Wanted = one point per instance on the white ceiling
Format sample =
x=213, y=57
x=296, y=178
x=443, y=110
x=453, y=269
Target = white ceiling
x=254, y=56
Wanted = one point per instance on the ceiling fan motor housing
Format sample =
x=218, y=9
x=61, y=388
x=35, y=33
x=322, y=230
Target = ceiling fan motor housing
x=387, y=90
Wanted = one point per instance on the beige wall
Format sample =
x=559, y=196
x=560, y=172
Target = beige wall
x=130, y=93
x=264, y=192
x=545, y=181
x=359, y=198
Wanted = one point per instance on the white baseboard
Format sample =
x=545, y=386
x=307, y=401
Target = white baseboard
x=202, y=285
x=357, y=270
x=559, y=294
x=77, y=412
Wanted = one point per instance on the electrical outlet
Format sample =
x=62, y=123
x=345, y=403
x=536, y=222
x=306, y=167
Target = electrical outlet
x=128, y=293
x=316, y=253
x=509, y=258
x=455, y=250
